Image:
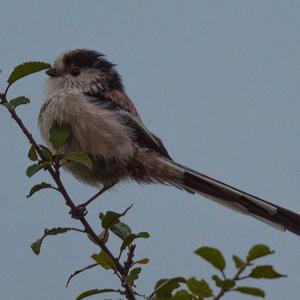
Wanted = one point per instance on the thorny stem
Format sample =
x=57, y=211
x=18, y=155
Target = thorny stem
x=54, y=172
x=234, y=278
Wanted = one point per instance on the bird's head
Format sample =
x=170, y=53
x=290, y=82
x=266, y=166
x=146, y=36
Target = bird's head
x=85, y=70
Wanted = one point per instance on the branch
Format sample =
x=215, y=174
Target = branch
x=54, y=172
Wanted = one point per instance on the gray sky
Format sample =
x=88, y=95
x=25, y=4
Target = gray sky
x=218, y=81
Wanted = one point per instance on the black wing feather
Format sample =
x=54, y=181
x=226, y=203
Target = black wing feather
x=142, y=135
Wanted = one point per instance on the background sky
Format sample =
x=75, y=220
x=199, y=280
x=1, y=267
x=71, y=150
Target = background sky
x=218, y=81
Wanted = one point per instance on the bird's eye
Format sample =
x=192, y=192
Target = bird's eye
x=75, y=71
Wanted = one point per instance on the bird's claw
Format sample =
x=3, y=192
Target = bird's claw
x=78, y=212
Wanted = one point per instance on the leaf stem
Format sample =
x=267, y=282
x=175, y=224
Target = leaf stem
x=234, y=278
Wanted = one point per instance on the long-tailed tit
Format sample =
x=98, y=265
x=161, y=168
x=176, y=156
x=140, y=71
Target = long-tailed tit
x=85, y=91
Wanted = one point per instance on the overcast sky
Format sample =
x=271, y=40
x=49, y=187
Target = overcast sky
x=218, y=81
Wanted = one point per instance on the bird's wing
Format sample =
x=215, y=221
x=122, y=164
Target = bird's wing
x=142, y=135
x=127, y=113
x=114, y=100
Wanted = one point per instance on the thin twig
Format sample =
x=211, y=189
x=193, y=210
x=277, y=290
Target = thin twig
x=54, y=172
x=81, y=270
x=234, y=278
x=76, y=229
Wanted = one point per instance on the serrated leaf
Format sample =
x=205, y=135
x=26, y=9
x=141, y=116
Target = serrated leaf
x=38, y=187
x=133, y=275
x=95, y=292
x=31, y=170
x=213, y=256
x=80, y=158
x=142, y=261
x=121, y=230
x=47, y=152
x=104, y=260
x=59, y=134
x=258, y=251
x=265, y=271
x=36, y=246
x=131, y=237
x=199, y=287
x=165, y=287
x=18, y=101
x=238, y=262
x=183, y=295
x=226, y=283
x=32, y=155
x=250, y=291
x=26, y=69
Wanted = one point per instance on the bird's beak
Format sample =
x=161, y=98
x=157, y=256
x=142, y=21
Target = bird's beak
x=51, y=72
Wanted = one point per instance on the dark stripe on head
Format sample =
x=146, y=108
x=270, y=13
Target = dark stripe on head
x=84, y=58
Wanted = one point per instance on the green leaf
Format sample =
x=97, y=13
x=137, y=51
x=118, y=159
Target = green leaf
x=133, y=275
x=56, y=230
x=238, y=261
x=131, y=237
x=47, y=152
x=165, y=287
x=38, y=187
x=26, y=69
x=80, y=158
x=36, y=246
x=59, y=134
x=32, y=155
x=183, y=295
x=258, y=251
x=31, y=170
x=143, y=235
x=265, y=271
x=199, y=287
x=226, y=283
x=104, y=260
x=250, y=291
x=18, y=101
x=95, y=292
x=142, y=261
x=121, y=230
x=111, y=218
x=213, y=256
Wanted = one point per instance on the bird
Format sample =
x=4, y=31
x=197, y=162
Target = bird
x=85, y=92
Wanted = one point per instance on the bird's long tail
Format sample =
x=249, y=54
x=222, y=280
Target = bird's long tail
x=195, y=182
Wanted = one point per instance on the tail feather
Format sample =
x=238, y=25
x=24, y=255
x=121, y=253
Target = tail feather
x=192, y=181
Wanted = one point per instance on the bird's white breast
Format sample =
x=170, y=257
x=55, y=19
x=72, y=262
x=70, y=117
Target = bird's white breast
x=95, y=130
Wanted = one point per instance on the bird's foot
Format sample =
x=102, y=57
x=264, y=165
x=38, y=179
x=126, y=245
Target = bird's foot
x=78, y=212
